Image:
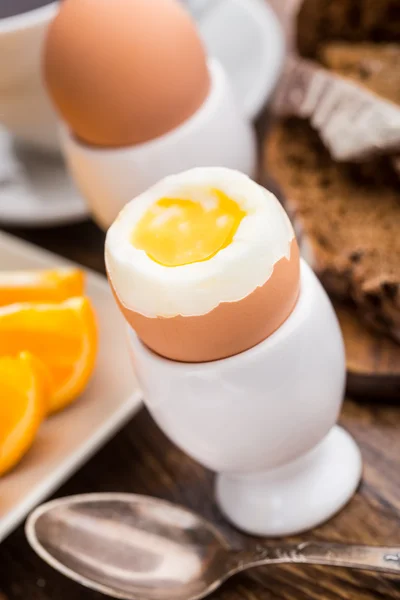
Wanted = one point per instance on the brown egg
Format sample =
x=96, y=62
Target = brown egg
x=203, y=265
x=231, y=328
x=122, y=72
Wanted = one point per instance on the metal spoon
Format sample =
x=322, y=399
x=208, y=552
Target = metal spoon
x=135, y=547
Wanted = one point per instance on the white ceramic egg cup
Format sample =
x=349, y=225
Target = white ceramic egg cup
x=265, y=420
x=218, y=134
x=25, y=109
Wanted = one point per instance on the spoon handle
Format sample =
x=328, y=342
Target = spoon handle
x=373, y=558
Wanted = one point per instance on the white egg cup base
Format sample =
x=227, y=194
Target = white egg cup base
x=298, y=496
x=218, y=134
x=265, y=419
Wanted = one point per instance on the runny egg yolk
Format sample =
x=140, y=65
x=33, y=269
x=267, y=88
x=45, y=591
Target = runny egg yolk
x=175, y=232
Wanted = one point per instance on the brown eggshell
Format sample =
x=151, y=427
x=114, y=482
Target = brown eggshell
x=122, y=72
x=231, y=327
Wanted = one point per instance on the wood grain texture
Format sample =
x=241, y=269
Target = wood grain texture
x=373, y=360
x=140, y=459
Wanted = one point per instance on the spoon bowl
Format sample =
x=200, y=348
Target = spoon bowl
x=140, y=548
x=130, y=546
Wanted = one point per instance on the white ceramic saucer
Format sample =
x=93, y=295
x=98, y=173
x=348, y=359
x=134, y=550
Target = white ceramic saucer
x=68, y=439
x=35, y=188
x=246, y=38
x=243, y=35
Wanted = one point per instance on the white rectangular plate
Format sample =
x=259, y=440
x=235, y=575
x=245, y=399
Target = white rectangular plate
x=66, y=440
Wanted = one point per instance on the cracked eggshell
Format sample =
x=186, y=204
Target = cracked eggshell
x=231, y=327
x=219, y=307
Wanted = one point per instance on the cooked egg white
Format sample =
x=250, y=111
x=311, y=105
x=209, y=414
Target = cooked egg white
x=195, y=240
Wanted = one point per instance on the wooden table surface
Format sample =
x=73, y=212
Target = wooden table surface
x=140, y=459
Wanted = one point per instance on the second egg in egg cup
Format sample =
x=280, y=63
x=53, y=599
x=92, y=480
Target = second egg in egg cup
x=217, y=134
x=138, y=99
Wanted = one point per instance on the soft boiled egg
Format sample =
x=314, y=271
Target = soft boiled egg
x=203, y=265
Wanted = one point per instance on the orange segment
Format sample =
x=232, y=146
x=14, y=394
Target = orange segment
x=63, y=336
x=22, y=407
x=40, y=286
x=45, y=377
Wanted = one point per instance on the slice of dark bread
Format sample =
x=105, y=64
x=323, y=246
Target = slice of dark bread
x=347, y=20
x=375, y=66
x=347, y=217
x=351, y=95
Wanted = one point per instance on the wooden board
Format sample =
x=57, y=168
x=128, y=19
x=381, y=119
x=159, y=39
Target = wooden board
x=373, y=360
x=140, y=459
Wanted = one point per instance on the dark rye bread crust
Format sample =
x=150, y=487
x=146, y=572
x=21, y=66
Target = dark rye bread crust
x=348, y=219
x=375, y=66
x=347, y=20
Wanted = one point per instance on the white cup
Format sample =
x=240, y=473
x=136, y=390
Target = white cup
x=265, y=419
x=216, y=135
x=25, y=109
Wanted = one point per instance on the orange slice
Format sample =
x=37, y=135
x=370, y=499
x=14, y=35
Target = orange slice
x=41, y=286
x=23, y=405
x=63, y=336
x=45, y=376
